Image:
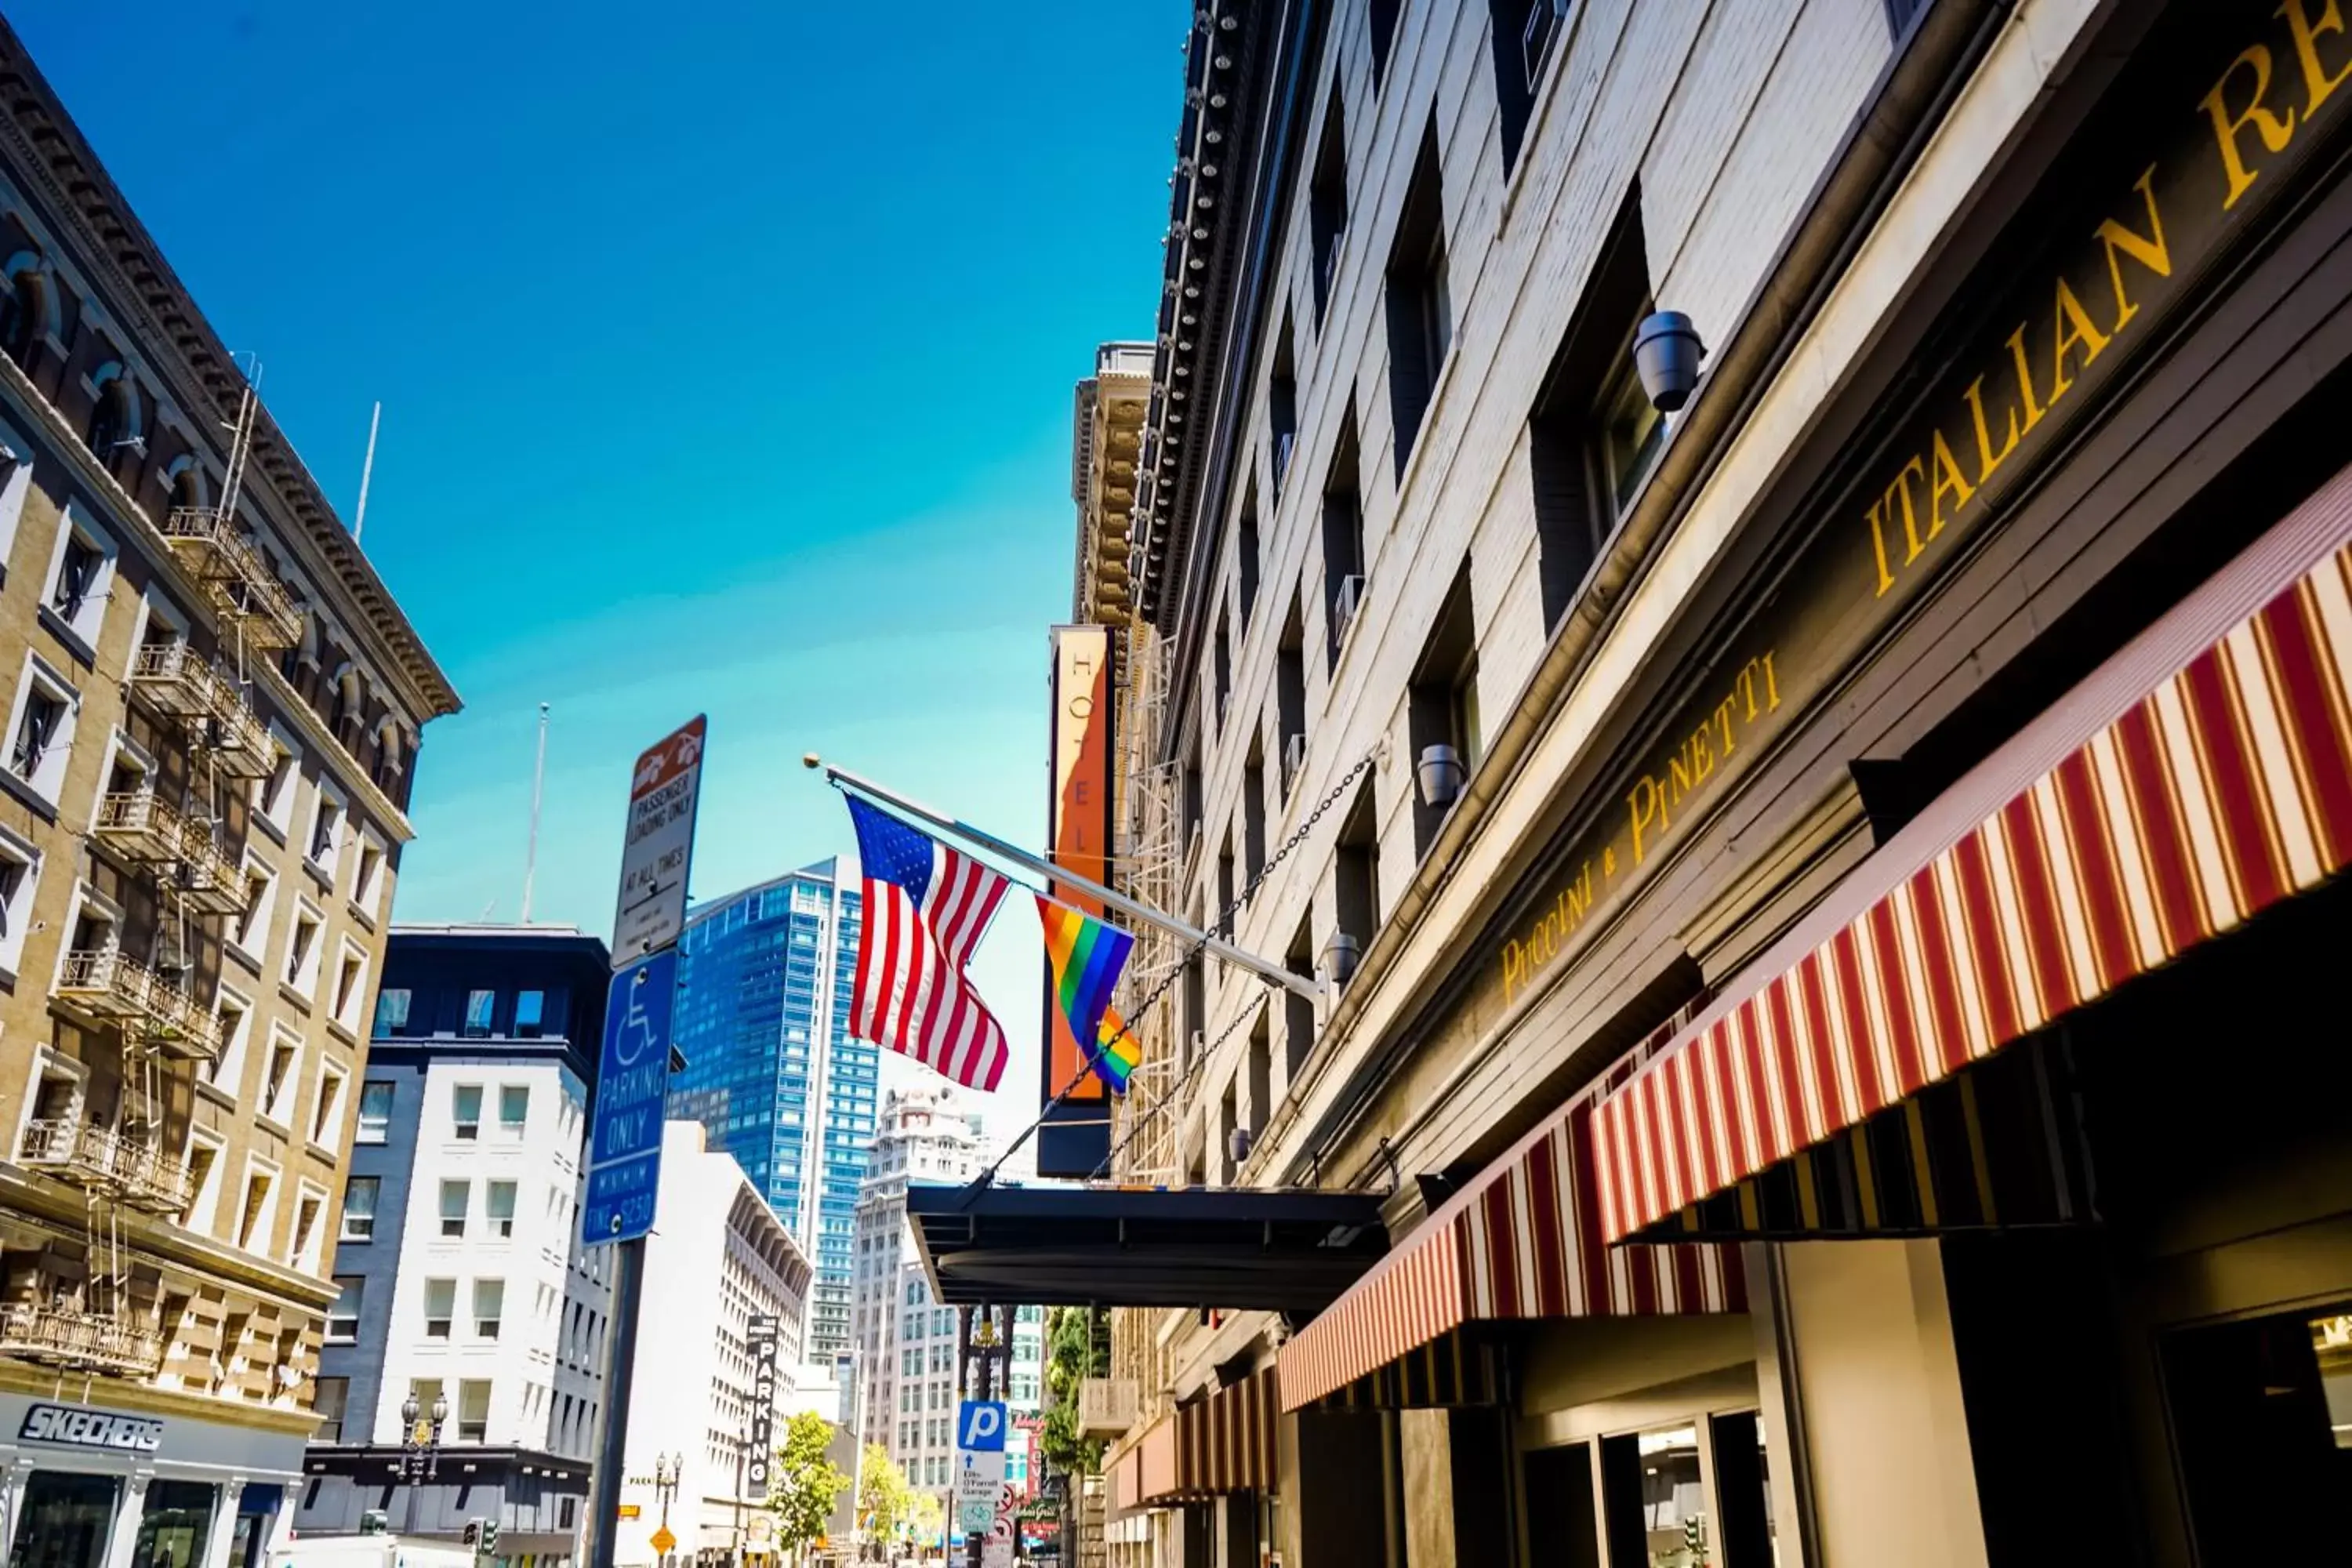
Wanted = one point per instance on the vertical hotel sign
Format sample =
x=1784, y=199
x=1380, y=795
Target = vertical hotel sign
x=1076, y=1134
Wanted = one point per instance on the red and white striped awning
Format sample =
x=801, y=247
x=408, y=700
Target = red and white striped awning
x=2202, y=774
x=1522, y=1241
x=1222, y=1443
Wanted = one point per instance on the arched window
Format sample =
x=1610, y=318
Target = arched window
x=186, y=486
x=21, y=304
x=109, y=421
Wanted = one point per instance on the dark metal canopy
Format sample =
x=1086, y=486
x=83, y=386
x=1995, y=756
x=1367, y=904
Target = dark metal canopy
x=1282, y=1251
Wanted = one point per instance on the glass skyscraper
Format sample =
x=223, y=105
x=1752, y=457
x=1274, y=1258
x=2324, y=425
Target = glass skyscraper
x=772, y=1072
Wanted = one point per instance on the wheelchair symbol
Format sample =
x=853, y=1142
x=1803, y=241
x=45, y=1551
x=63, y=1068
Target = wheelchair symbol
x=636, y=1025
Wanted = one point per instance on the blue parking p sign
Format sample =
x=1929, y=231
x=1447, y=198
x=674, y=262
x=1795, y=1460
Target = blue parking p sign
x=624, y=1131
x=980, y=1426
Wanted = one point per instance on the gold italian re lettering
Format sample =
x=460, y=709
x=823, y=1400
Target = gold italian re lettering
x=1945, y=480
x=2033, y=410
x=1876, y=518
x=1515, y=967
x=2275, y=132
x=2075, y=330
x=2151, y=252
x=1645, y=807
x=2316, y=83
x=1987, y=459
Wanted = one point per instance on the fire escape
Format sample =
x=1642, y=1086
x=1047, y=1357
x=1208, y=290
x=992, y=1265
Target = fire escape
x=1150, y=856
x=127, y=1165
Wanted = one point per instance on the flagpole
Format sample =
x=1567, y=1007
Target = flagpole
x=1273, y=973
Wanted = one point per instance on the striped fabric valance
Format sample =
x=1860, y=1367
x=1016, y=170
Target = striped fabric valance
x=1521, y=1241
x=1213, y=1447
x=2200, y=776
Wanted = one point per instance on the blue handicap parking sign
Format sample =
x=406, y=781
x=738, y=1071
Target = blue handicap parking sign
x=624, y=1131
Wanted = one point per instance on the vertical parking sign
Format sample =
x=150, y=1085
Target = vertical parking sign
x=760, y=1338
x=658, y=850
x=624, y=1131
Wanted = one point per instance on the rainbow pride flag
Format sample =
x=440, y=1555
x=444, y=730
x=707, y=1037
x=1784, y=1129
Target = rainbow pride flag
x=1086, y=956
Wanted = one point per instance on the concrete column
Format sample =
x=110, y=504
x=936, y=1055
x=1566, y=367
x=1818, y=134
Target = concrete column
x=224, y=1525
x=1866, y=1347
x=12, y=1503
x=133, y=1508
x=1426, y=1444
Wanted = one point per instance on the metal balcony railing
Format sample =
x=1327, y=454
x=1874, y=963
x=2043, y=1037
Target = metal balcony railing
x=138, y=825
x=78, y=1340
x=172, y=678
x=131, y=1169
x=107, y=987
x=239, y=580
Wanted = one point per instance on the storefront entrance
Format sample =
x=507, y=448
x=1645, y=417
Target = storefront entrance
x=171, y=1530
x=64, y=1522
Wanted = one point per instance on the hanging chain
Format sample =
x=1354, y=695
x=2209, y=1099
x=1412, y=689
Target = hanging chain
x=1223, y=927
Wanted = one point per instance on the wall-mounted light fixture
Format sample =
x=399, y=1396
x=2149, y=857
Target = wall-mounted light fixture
x=1342, y=956
x=1439, y=772
x=1666, y=351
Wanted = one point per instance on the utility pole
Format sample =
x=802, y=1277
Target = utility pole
x=984, y=1344
x=537, y=790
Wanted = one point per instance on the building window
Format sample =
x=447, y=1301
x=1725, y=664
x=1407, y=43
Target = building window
x=1290, y=696
x=21, y=315
x=1381, y=17
x=278, y=1083
x=1442, y=706
x=391, y=1012
x=1527, y=34
x=326, y=831
x=499, y=1208
x=474, y=1410
x=277, y=793
x=254, y=1211
x=20, y=875
x=302, y=950
x=1419, y=306
x=466, y=1110
x=326, y=1116
x=344, y=1317
x=1594, y=437
x=251, y=931
x=351, y=983
x=1223, y=670
x=41, y=735
x=367, y=879
x=490, y=1306
x=1326, y=205
x=1343, y=541
x=1653, y=1497
x=1356, y=871
x=113, y=418
x=1281, y=411
x=360, y=1196
x=514, y=1110
x=479, y=1005
x=456, y=1198
x=530, y=1018
x=204, y=1180
x=225, y=1071
x=329, y=1395
x=440, y=1308
x=375, y=1112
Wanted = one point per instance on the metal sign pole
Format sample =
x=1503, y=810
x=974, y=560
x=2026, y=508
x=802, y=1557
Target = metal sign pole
x=613, y=1421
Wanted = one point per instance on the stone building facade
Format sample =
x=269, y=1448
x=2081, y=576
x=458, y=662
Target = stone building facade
x=213, y=710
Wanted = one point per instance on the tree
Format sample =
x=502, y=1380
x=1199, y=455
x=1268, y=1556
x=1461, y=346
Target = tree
x=1078, y=1347
x=808, y=1482
x=884, y=1498
x=927, y=1517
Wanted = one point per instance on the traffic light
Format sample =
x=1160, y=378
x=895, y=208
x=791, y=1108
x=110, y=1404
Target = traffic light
x=490, y=1537
x=474, y=1533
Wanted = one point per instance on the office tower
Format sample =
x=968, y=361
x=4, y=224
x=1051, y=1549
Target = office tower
x=772, y=1072
x=926, y=1136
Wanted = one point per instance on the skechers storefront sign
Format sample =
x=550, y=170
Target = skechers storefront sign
x=73, y=1426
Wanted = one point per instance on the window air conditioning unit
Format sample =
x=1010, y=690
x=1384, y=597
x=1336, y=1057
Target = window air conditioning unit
x=1293, y=759
x=1344, y=605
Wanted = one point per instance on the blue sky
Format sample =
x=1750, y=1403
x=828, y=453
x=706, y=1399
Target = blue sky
x=726, y=364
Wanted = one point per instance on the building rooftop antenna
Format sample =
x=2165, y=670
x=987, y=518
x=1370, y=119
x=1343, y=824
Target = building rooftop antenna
x=537, y=790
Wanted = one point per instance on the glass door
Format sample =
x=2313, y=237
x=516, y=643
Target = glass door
x=65, y=1521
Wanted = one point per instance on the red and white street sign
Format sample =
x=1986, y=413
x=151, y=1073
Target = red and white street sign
x=658, y=850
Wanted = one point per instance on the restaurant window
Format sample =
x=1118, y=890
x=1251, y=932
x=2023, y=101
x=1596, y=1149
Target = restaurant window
x=1592, y=435
x=1654, y=1499
x=1559, y=1489
x=1419, y=300
x=2262, y=1423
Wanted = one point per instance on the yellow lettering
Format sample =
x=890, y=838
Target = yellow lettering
x=1876, y=518
x=1678, y=777
x=1723, y=722
x=1747, y=687
x=1702, y=755
x=1515, y=967
x=2228, y=123
x=2075, y=329
x=1910, y=513
x=1644, y=805
x=1948, y=480
x=1987, y=459
x=2024, y=378
x=2316, y=83
x=2152, y=252
x=1771, y=683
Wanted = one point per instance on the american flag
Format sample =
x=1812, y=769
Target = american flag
x=926, y=907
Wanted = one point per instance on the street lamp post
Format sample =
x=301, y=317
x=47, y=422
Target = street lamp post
x=667, y=1468
x=420, y=1448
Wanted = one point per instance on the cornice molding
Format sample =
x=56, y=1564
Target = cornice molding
x=137, y=290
